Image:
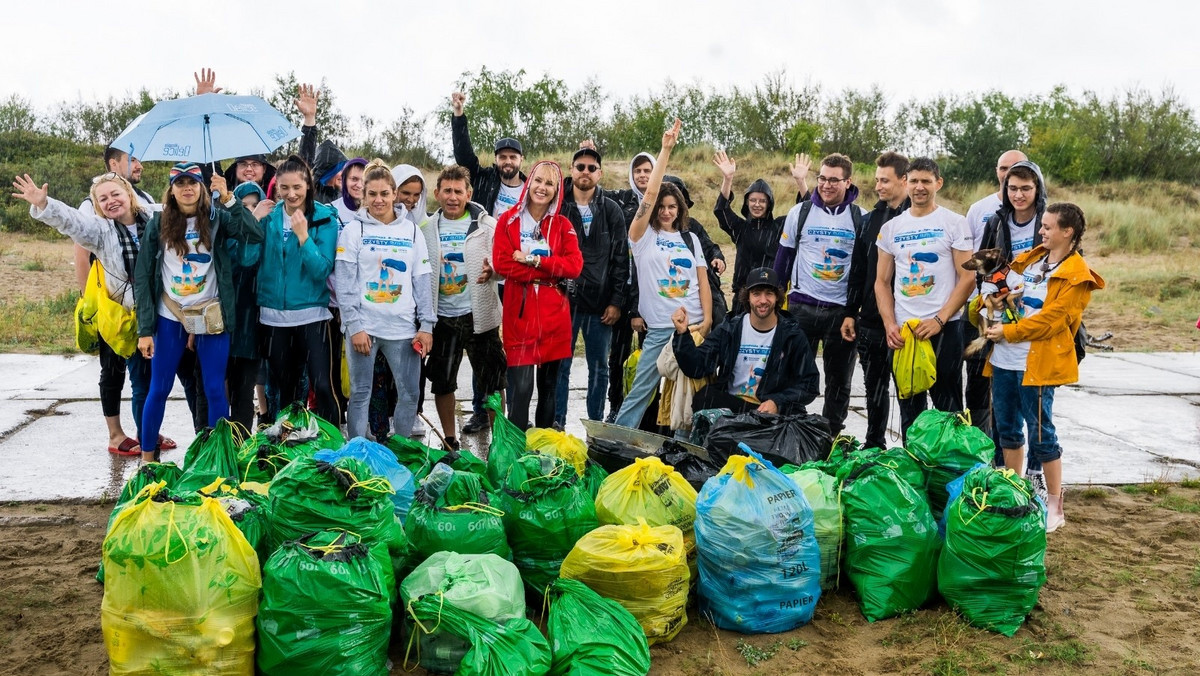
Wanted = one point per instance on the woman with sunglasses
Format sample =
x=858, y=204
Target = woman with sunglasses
x=1036, y=353
x=110, y=234
x=185, y=266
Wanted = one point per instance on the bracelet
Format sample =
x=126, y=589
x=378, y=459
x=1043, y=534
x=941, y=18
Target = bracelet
x=939, y=321
x=537, y=262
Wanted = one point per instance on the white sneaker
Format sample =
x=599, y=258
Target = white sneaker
x=1038, y=479
x=1055, y=518
x=419, y=429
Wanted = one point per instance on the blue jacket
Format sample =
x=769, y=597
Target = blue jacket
x=290, y=276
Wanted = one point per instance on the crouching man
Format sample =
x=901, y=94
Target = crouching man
x=760, y=359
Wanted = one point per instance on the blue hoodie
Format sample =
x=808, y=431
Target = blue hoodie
x=290, y=276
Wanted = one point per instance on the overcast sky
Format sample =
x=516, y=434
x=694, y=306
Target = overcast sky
x=380, y=56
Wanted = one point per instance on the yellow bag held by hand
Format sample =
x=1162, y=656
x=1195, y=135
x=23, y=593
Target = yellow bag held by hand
x=640, y=567
x=915, y=364
x=87, y=338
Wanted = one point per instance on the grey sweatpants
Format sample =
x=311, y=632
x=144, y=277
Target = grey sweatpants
x=406, y=370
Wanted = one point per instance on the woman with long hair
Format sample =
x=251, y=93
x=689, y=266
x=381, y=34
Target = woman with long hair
x=536, y=250
x=384, y=293
x=110, y=234
x=296, y=259
x=668, y=260
x=183, y=284
x=1037, y=353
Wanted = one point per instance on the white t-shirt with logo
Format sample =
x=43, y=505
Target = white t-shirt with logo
x=186, y=279
x=585, y=214
x=1032, y=286
x=1021, y=235
x=924, y=247
x=978, y=214
x=532, y=241
x=668, y=276
x=454, y=291
x=389, y=258
x=506, y=199
x=751, y=363
x=823, y=247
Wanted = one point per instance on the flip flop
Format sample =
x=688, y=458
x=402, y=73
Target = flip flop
x=166, y=444
x=128, y=447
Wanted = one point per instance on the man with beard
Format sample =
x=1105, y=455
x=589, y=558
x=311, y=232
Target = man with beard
x=598, y=295
x=497, y=187
x=759, y=360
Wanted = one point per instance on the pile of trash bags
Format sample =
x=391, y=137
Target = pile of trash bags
x=452, y=512
x=296, y=432
x=946, y=445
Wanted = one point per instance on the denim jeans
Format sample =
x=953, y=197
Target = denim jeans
x=1016, y=407
x=645, y=381
x=596, y=337
x=406, y=369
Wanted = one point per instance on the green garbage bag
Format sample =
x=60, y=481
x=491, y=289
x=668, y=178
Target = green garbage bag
x=992, y=565
x=891, y=542
x=310, y=495
x=150, y=473
x=249, y=511
x=324, y=609
x=420, y=459
x=452, y=512
x=947, y=446
x=569, y=448
x=263, y=454
x=297, y=416
x=593, y=636
x=212, y=455
x=508, y=443
x=483, y=584
x=546, y=511
x=821, y=491
x=512, y=648
x=897, y=459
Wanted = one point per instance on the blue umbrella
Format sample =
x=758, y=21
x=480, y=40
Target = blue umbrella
x=206, y=128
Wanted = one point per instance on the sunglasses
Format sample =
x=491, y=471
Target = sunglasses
x=590, y=168
x=107, y=176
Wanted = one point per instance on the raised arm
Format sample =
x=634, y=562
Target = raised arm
x=640, y=222
x=306, y=103
x=460, y=136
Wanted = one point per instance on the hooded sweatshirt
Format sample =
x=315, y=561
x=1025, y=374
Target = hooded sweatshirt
x=268, y=171
x=403, y=172
x=829, y=277
x=537, y=315
x=756, y=239
x=631, y=198
x=1000, y=228
x=347, y=207
x=327, y=163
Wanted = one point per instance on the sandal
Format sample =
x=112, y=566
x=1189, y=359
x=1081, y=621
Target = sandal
x=128, y=447
x=166, y=443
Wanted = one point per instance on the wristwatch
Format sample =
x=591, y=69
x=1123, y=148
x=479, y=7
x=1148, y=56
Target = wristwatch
x=530, y=258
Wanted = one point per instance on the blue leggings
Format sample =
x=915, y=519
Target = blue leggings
x=170, y=340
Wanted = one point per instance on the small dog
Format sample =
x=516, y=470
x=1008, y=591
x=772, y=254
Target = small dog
x=994, y=269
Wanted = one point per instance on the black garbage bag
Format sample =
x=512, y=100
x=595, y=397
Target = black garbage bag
x=695, y=470
x=782, y=439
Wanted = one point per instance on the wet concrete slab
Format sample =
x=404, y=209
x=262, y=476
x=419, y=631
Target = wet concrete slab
x=1132, y=418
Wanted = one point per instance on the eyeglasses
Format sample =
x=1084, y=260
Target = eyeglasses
x=831, y=180
x=590, y=168
x=1022, y=189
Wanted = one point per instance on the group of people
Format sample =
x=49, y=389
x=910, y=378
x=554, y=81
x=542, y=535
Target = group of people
x=262, y=285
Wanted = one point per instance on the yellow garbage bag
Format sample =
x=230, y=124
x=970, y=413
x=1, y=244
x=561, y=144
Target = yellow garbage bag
x=915, y=364
x=650, y=490
x=181, y=589
x=642, y=568
x=549, y=441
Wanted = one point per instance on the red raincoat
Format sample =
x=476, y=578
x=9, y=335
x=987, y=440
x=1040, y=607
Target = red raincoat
x=537, y=315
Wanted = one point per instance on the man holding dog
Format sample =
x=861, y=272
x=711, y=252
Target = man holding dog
x=921, y=276
x=760, y=359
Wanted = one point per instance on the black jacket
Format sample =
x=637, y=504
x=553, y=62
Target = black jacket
x=791, y=379
x=864, y=261
x=485, y=181
x=327, y=157
x=605, y=250
x=756, y=239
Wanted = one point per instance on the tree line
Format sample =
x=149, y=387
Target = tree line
x=1082, y=137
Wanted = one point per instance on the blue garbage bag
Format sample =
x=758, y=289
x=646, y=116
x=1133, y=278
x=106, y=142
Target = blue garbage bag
x=954, y=489
x=760, y=568
x=381, y=462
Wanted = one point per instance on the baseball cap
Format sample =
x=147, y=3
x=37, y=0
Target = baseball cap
x=507, y=143
x=588, y=151
x=762, y=277
x=186, y=169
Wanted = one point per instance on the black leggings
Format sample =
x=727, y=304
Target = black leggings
x=290, y=346
x=520, y=392
x=240, y=377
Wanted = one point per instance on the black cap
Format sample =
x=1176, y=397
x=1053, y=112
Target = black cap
x=762, y=277
x=588, y=151
x=509, y=144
